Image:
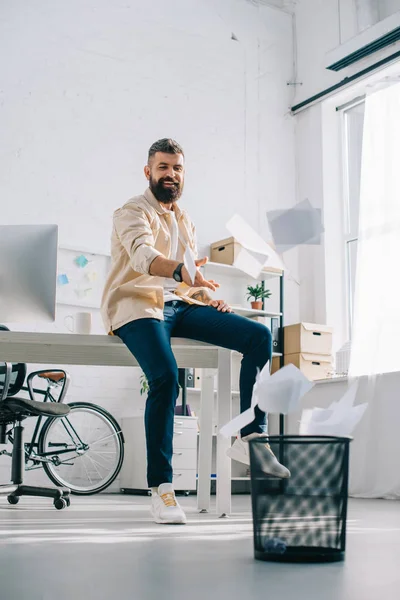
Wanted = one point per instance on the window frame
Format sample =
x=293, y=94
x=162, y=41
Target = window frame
x=349, y=235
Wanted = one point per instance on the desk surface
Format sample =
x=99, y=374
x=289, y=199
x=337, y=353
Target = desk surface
x=103, y=350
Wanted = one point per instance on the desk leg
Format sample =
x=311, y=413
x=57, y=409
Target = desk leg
x=205, y=440
x=224, y=416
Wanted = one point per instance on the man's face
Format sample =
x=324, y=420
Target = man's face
x=166, y=174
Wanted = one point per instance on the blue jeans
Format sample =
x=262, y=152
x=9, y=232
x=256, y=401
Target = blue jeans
x=149, y=340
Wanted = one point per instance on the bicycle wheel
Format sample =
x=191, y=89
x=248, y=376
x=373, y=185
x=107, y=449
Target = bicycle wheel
x=85, y=448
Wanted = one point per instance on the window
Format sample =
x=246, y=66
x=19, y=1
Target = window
x=352, y=135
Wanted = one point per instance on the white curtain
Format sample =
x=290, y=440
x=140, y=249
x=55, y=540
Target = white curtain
x=376, y=323
x=375, y=454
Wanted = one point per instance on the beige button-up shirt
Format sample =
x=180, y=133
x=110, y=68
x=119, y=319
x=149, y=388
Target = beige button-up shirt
x=141, y=232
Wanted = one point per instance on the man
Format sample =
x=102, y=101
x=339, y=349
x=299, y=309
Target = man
x=149, y=297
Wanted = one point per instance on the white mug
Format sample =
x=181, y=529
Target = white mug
x=81, y=322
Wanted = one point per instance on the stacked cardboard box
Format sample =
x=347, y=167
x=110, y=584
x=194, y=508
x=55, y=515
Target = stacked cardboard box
x=309, y=347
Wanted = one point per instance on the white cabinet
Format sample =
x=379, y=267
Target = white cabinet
x=184, y=459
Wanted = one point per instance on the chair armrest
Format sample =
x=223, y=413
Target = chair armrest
x=7, y=379
x=64, y=388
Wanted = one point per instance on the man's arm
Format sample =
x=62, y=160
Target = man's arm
x=132, y=226
x=164, y=267
x=201, y=295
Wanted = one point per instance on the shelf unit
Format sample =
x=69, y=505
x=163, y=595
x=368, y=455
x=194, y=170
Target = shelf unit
x=251, y=312
x=233, y=271
x=266, y=274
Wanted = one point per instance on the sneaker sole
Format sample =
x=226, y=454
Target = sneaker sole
x=163, y=522
x=169, y=521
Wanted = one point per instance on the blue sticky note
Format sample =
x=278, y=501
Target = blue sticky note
x=62, y=279
x=81, y=261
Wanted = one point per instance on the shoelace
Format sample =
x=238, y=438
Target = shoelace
x=168, y=498
x=268, y=447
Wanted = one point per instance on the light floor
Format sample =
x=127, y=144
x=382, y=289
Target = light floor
x=106, y=547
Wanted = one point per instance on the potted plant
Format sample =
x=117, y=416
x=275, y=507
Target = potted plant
x=258, y=293
x=144, y=384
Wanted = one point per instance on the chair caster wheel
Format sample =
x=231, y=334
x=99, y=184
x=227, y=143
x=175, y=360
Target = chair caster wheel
x=60, y=503
x=68, y=500
x=13, y=499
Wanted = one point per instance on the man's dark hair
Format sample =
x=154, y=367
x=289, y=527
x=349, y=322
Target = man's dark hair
x=167, y=145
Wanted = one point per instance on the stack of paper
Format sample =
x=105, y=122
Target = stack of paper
x=340, y=419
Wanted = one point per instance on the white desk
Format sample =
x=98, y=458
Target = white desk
x=105, y=350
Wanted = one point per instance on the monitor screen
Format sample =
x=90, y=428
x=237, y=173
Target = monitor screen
x=28, y=272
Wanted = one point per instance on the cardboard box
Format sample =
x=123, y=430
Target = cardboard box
x=276, y=365
x=308, y=338
x=314, y=366
x=225, y=251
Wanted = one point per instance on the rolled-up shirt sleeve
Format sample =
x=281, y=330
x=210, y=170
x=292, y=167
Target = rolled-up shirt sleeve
x=194, y=237
x=132, y=225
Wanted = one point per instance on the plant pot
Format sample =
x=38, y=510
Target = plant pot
x=257, y=305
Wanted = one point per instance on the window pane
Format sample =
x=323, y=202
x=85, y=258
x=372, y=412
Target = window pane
x=370, y=12
x=354, y=122
x=351, y=269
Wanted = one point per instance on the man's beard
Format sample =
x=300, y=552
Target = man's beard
x=166, y=195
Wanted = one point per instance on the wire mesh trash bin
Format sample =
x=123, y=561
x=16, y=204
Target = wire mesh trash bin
x=303, y=518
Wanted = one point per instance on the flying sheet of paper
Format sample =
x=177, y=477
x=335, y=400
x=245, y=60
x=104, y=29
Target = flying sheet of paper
x=344, y=427
x=281, y=392
x=296, y=226
x=278, y=393
x=339, y=419
x=248, y=263
x=246, y=236
x=255, y=251
x=346, y=402
x=238, y=423
x=190, y=265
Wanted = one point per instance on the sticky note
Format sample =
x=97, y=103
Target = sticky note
x=91, y=276
x=62, y=279
x=81, y=261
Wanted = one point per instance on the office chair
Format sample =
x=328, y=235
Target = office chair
x=13, y=411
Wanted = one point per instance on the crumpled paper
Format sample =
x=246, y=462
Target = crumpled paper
x=279, y=393
x=339, y=419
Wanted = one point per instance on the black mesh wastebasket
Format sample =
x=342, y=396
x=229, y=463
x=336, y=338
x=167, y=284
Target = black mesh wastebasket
x=302, y=518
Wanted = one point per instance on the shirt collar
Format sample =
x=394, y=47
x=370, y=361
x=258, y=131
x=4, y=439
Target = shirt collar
x=152, y=200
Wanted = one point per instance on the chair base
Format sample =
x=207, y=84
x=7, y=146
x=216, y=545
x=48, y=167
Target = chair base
x=14, y=492
x=16, y=489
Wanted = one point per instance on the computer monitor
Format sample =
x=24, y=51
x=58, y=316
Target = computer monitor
x=28, y=273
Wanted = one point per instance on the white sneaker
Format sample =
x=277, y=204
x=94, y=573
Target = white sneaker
x=269, y=464
x=164, y=506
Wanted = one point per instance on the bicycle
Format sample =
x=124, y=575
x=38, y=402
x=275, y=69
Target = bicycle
x=83, y=451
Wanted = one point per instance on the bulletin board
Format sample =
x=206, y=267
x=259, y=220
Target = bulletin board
x=81, y=277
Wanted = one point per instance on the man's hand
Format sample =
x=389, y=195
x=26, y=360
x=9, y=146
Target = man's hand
x=220, y=305
x=199, y=280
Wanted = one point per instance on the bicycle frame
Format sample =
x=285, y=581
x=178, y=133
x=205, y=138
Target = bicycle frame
x=31, y=448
